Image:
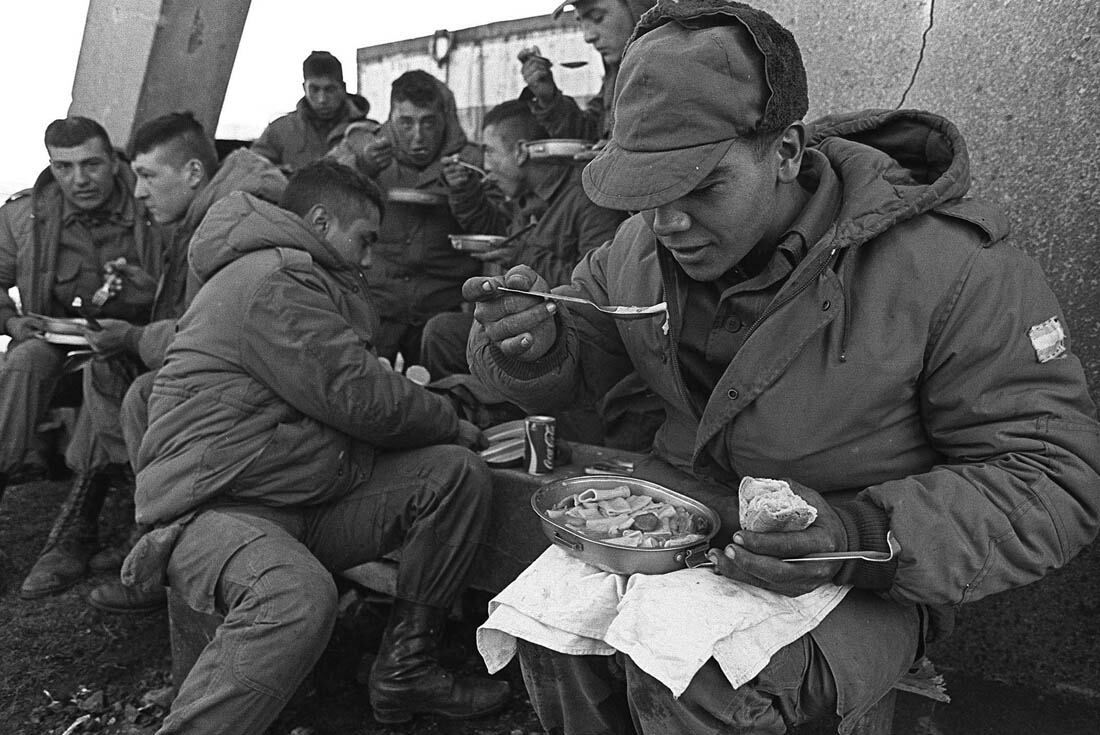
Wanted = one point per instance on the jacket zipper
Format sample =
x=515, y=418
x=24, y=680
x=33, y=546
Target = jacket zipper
x=777, y=305
x=674, y=334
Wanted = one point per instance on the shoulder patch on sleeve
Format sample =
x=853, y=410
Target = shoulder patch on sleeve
x=1048, y=339
x=295, y=260
x=981, y=214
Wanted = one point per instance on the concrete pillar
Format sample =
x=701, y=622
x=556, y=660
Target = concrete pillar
x=143, y=58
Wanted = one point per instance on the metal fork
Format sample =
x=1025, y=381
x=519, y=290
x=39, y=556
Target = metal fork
x=99, y=298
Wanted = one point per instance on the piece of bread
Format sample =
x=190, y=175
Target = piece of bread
x=770, y=505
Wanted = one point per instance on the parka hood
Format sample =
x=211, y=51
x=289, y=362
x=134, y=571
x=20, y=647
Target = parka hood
x=242, y=223
x=242, y=170
x=454, y=137
x=894, y=165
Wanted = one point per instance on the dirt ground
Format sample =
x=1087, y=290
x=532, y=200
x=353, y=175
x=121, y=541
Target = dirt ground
x=62, y=662
x=66, y=668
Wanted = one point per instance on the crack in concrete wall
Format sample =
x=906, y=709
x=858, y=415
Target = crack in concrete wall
x=920, y=56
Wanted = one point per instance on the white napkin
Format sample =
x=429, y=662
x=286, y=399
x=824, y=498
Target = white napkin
x=669, y=624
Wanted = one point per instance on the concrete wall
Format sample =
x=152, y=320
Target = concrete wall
x=143, y=58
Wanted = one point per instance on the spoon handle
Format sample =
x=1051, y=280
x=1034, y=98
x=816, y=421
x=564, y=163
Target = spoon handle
x=544, y=295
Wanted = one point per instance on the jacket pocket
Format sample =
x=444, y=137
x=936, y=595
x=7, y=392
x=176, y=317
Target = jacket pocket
x=67, y=281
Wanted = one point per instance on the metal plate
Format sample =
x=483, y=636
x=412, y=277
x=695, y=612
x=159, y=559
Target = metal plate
x=610, y=557
x=475, y=243
x=60, y=325
x=555, y=149
x=415, y=196
x=505, y=444
x=75, y=340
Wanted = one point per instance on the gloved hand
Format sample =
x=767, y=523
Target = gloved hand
x=24, y=327
x=470, y=436
x=111, y=337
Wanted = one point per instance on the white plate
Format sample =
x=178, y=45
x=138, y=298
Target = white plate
x=74, y=340
x=62, y=325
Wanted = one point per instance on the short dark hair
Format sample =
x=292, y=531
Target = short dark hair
x=418, y=87
x=322, y=64
x=342, y=190
x=183, y=133
x=516, y=117
x=69, y=132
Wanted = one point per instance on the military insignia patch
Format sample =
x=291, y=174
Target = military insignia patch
x=1048, y=339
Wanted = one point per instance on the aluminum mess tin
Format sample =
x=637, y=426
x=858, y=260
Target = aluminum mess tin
x=555, y=149
x=475, y=243
x=415, y=196
x=611, y=557
x=56, y=325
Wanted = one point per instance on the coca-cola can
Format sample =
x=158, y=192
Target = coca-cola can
x=538, y=444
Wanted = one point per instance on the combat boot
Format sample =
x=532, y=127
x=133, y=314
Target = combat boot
x=406, y=678
x=110, y=558
x=115, y=597
x=72, y=540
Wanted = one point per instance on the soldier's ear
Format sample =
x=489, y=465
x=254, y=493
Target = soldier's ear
x=789, y=149
x=318, y=219
x=195, y=172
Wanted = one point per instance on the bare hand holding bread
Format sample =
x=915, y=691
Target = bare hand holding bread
x=781, y=519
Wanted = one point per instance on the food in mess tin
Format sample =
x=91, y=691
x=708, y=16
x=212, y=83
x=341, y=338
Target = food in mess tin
x=770, y=505
x=617, y=516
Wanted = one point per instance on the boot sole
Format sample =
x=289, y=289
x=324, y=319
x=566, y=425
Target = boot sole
x=144, y=610
x=400, y=716
x=38, y=594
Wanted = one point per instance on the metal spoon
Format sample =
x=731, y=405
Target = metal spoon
x=465, y=164
x=895, y=549
x=892, y=542
x=566, y=64
x=622, y=312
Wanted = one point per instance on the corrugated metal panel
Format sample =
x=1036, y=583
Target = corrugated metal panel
x=481, y=67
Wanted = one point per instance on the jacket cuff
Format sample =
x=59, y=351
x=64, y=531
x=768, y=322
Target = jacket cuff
x=464, y=197
x=522, y=370
x=866, y=525
x=5, y=314
x=538, y=107
x=133, y=339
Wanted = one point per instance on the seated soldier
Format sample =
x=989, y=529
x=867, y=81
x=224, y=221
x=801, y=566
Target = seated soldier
x=280, y=450
x=59, y=243
x=839, y=314
x=178, y=179
x=320, y=119
x=554, y=220
x=415, y=273
x=606, y=26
